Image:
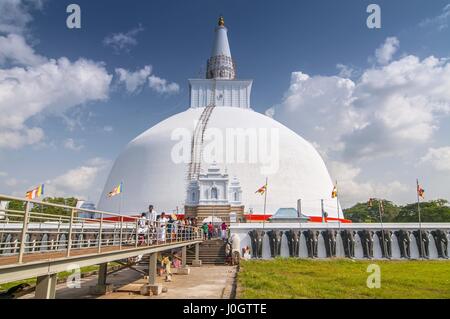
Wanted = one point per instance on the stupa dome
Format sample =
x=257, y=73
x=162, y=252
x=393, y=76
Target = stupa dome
x=158, y=165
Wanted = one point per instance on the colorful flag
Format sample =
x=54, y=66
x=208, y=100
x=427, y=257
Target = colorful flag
x=116, y=190
x=36, y=192
x=334, y=192
x=262, y=189
x=420, y=191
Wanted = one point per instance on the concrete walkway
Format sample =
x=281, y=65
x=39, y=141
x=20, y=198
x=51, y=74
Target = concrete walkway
x=206, y=282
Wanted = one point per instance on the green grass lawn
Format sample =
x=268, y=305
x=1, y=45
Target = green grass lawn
x=287, y=278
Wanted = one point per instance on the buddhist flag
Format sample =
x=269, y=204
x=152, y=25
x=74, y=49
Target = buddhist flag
x=116, y=190
x=262, y=190
x=420, y=191
x=334, y=192
x=36, y=192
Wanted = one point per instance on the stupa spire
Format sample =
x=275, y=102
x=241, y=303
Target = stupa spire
x=220, y=65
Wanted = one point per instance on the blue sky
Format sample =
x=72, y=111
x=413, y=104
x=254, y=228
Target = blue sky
x=269, y=41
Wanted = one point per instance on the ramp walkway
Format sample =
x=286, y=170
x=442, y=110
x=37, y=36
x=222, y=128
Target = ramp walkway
x=40, y=239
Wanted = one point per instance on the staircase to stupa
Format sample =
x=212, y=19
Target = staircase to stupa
x=198, y=137
x=212, y=252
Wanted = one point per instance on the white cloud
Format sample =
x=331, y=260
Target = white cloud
x=18, y=138
x=38, y=86
x=50, y=87
x=345, y=71
x=351, y=190
x=70, y=144
x=15, y=50
x=387, y=50
x=134, y=81
x=123, y=41
x=320, y=108
x=108, y=128
x=162, y=85
x=439, y=158
x=15, y=14
x=389, y=110
x=98, y=162
x=371, y=130
x=441, y=21
x=77, y=182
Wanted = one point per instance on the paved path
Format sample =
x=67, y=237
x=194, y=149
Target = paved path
x=209, y=282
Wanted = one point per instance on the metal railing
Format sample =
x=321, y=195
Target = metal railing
x=41, y=227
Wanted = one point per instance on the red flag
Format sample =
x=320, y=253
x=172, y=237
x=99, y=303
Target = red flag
x=262, y=189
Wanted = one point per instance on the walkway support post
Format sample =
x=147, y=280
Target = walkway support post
x=197, y=262
x=152, y=268
x=183, y=256
x=102, y=274
x=152, y=288
x=46, y=287
x=102, y=286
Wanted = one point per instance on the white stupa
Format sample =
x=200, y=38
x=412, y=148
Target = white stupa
x=220, y=129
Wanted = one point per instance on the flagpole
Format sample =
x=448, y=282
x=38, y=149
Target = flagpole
x=120, y=198
x=337, y=205
x=323, y=212
x=420, y=220
x=299, y=213
x=265, y=201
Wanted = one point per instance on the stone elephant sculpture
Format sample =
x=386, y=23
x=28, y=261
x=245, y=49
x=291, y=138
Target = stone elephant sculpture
x=256, y=237
x=423, y=247
x=385, y=243
x=329, y=238
x=440, y=237
x=293, y=238
x=404, y=243
x=275, y=242
x=348, y=241
x=367, y=243
x=311, y=242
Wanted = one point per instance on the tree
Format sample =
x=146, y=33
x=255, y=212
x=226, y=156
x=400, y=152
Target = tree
x=43, y=209
x=433, y=211
x=365, y=213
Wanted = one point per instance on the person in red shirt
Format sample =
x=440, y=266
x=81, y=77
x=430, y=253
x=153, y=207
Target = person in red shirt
x=210, y=230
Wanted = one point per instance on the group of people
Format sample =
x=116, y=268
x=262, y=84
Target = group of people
x=163, y=227
x=211, y=230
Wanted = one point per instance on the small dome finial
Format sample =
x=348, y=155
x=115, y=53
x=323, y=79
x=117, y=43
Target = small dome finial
x=221, y=21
